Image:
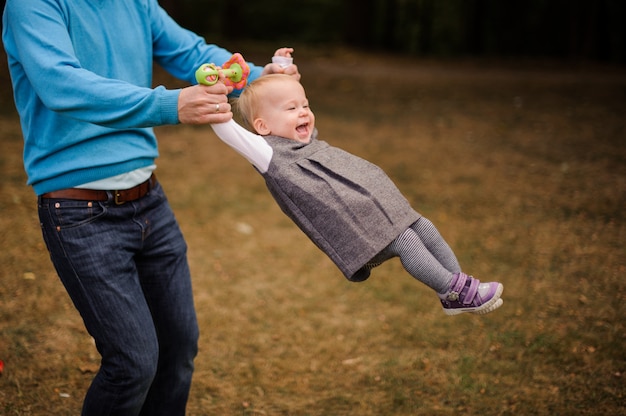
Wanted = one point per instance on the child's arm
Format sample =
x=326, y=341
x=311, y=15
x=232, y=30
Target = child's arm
x=251, y=146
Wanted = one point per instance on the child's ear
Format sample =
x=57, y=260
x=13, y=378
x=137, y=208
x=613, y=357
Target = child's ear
x=260, y=127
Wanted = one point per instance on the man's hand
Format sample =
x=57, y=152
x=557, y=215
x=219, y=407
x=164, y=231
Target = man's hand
x=201, y=104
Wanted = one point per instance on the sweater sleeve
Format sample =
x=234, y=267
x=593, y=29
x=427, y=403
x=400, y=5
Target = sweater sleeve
x=251, y=146
x=94, y=64
x=181, y=52
x=57, y=48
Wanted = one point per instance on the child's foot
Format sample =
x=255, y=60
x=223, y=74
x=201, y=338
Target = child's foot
x=467, y=294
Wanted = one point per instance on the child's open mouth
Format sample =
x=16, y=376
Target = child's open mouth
x=303, y=129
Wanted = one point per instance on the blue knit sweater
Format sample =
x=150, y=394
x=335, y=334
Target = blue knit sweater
x=82, y=81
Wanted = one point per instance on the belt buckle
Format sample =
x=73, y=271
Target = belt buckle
x=116, y=199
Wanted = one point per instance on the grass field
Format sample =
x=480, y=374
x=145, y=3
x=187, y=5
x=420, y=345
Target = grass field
x=521, y=166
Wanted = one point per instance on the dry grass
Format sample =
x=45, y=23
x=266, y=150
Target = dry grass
x=523, y=170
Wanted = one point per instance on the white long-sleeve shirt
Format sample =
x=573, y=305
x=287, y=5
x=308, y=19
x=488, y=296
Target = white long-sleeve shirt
x=251, y=146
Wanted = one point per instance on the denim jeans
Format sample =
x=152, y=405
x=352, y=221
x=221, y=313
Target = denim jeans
x=125, y=269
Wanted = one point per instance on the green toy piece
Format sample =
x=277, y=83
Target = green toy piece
x=236, y=71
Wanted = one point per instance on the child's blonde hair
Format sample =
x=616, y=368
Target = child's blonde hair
x=251, y=99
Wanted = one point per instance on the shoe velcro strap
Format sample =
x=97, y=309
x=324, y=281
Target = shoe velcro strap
x=472, y=290
x=459, y=284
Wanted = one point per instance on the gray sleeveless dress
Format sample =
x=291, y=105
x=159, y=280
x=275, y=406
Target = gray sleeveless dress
x=346, y=205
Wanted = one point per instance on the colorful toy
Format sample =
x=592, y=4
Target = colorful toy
x=236, y=71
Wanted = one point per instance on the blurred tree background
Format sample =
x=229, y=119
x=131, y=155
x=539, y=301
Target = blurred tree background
x=563, y=29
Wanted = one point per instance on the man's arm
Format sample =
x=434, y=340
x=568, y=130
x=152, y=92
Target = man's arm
x=63, y=63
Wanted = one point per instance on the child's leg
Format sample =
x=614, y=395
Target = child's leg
x=458, y=292
x=435, y=243
x=420, y=262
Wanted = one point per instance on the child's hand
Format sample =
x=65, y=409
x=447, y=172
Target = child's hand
x=282, y=63
x=286, y=52
x=283, y=57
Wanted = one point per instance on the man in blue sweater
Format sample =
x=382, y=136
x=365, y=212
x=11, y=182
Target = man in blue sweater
x=82, y=81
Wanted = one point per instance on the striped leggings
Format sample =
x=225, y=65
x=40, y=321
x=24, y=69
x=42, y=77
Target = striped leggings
x=424, y=254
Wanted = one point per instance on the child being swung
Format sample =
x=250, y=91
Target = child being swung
x=346, y=205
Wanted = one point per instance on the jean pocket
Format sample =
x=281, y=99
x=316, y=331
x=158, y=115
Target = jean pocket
x=65, y=213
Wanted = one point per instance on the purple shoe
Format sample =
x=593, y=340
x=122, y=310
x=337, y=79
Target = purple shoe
x=467, y=294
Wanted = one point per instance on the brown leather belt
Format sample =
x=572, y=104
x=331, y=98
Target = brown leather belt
x=119, y=196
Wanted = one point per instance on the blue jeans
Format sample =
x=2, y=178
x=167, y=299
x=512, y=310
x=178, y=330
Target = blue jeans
x=125, y=268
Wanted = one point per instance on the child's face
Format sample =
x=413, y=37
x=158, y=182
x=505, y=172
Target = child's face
x=285, y=111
